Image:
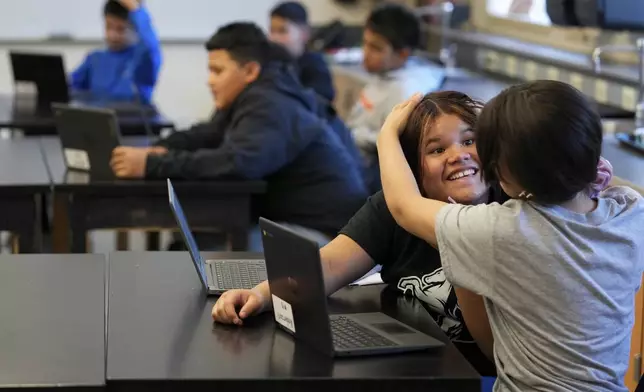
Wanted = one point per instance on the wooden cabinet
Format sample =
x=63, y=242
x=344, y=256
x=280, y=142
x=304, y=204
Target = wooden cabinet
x=635, y=362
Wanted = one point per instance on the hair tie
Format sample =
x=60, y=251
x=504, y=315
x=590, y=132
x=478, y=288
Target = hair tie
x=525, y=195
x=604, y=175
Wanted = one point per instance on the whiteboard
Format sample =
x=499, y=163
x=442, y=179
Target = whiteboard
x=83, y=19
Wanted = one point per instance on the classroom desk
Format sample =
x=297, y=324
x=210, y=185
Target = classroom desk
x=82, y=204
x=23, y=180
x=161, y=337
x=628, y=165
x=52, y=328
x=21, y=113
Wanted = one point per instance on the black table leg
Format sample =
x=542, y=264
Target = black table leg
x=77, y=226
x=153, y=240
x=238, y=239
x=122, y=240
x=30, y=235
x=60, y=229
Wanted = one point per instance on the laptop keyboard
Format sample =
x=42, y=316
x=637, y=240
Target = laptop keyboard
x=348, y=334
x=238, y=274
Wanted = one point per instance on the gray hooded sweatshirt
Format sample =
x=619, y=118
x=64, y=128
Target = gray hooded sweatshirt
x=384, y=91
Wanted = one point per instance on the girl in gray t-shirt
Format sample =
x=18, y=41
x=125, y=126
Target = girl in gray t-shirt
x=558, y=266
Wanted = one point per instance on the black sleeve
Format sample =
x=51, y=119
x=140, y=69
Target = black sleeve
x=315, y=74
x=200, y=135
x=372, y=227
x=260, y=141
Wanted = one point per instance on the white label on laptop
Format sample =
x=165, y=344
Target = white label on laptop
x=283, y=313
x=77, y=159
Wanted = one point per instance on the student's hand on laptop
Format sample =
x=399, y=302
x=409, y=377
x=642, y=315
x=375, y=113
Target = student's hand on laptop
x=129, y=162
x=249, y=303
x=130, y=4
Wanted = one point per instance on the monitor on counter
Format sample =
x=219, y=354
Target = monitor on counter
x=611, y=14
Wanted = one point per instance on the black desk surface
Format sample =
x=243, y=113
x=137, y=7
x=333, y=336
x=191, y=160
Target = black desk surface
x=79, y=181
x=52, y=321
x=161, y=335
x=21, y=112
x=22, y=168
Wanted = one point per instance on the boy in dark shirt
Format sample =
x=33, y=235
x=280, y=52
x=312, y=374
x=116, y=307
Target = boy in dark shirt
x=129, y=67
x=265, y=128
x=290, y=28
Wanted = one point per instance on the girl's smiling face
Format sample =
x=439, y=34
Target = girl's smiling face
x=451, y=167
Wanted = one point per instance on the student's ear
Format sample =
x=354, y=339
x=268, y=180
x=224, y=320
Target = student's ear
x=252, y=69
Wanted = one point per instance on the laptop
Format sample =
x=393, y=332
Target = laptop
x=237, y=270
x=300, y=303
x=47, y=72
x=88, y=137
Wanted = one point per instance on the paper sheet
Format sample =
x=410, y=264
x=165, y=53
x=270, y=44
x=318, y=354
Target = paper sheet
x=370, y=278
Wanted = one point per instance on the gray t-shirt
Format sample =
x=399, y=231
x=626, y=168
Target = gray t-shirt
x=559, y=286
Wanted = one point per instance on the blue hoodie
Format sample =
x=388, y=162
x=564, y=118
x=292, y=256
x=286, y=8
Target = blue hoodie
x=272, y=132
x=112, y=75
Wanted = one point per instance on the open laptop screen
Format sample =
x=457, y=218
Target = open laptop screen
x=188, y=238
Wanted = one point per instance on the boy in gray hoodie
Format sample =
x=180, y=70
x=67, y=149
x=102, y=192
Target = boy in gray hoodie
x=391, y=34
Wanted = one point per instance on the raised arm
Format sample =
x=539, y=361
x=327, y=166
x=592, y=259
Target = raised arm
x=149, y=57
x=410, y=209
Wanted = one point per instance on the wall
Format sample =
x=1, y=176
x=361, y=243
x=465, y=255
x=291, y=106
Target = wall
x=176, y=20
x=182, y=93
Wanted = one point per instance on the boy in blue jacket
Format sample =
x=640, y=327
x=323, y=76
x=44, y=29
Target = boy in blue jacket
x=128, y=68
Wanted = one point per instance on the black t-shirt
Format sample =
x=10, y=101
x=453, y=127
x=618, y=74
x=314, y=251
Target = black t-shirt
x=413, y=267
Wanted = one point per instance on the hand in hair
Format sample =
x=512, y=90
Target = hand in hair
x=409, y=208
x=131, y=5
x=397, y=118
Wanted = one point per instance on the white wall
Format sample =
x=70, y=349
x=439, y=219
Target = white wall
x=182, y=93
x=82, y=19
x=185, y=19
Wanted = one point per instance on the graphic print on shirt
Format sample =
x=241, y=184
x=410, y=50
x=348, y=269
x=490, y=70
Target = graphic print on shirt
x=434, y=290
